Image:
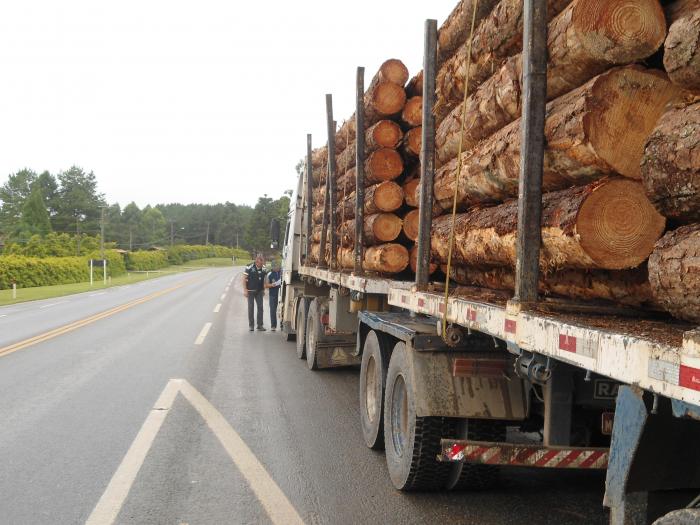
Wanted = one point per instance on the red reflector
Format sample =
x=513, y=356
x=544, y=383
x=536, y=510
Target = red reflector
x=606, y=423
x=479, y=367
x=509, y=326
x=324, y=319
x=689, y=377
x=567, y=343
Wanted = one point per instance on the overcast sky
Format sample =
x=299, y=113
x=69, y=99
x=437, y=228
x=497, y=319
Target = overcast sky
x=173, y=101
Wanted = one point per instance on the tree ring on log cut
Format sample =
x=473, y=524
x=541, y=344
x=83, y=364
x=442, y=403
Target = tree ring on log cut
x=410, y=224
x=618, y=226
x=412, y=113
x=620, y=130
x=409, y=190
x=386, y=227
x=384, y=164
x=388, y=196
x=386, y=134
x=393, y=70
x=614, y=30
x=388, y=98
x=414, y=140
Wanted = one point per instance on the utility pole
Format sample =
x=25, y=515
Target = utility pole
x=207, y=240
x=131, y=238
x=236, y=239
x=77, y=235
x=172, y=233
x=102, y=232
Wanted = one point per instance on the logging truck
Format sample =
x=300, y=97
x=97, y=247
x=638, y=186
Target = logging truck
x=484, y=343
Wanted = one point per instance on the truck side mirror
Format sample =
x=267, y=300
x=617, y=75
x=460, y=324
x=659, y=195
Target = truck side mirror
x=275, y=233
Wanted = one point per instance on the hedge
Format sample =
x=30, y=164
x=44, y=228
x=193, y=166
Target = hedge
x=144, y=261
x=182, y=253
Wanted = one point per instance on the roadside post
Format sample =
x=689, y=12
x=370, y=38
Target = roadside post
x=91, y=279
x=14, y=290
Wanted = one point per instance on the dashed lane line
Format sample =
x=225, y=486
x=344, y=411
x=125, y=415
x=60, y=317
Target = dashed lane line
x=203, y=334
x=223, y=296
x=216, y=308
x=52, y=304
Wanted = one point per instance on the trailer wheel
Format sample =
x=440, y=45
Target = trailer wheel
x=301, y=327
x=465, y=476
x=375, y=362
x=412, y=443
x=313, y=333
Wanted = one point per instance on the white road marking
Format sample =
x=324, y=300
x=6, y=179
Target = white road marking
x=223, y=296
x=216, y=308
x=111, y=502
x=53, y=304
x=3, y=315
x=274, y=501
x=226, y=289
x=98, y=293
x=203, y=334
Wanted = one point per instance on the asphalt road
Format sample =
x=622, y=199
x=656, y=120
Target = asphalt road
x=83, y=419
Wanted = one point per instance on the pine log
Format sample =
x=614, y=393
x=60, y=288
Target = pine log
x=413, y=261
x=674, y=272
x=319, y=157
x=382, y=165
x=609, y=224
x=626, y=287
x=316, y=251
x=671, y=164
x=386, y=196
x=499, y=36
x=572, y=60
x=412, y=141
x=412, y=114
x=682, y=52
x=383, y=134
x=414, y=87
x=593, y=131
x=410, y=224
x=680, y=8
x=455, y=30
x=409, y=191
x=318, y=195
x=378, y=228
x=346, y=159
x=387, y=258
x=345, y=184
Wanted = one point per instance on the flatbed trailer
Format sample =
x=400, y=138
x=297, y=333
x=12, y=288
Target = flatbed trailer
x=513, y=381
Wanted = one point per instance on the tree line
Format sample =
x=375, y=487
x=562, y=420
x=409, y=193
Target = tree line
x=34, y=205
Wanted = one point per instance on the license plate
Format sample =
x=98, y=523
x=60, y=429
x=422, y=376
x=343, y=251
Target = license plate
x=606, y=423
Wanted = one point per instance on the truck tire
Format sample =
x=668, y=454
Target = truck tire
x=301, y=327
x=680, y=517
x=313, y=333
x=412, y=443
x=465, y=476
x=375, y=362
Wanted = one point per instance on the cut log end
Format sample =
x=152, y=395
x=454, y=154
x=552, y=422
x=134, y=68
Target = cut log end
x=635, y=100
x=413, y=261
x=618, y=226
x=410, y=224
x=388, y=196
x=385, y=227
x=388, y=98
x=384, y=134
x=386, y=258
x=393, y=70
x=412, y=113
x=383, y=164
x=409, y=190
x=413, y=141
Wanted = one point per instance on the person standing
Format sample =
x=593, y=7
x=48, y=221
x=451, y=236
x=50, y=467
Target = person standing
x=274, y=281
x=254, y=289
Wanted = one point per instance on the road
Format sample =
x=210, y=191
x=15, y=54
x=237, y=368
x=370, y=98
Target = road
x=128, y=408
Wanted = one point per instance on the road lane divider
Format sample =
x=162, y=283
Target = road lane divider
x=216, y=309
x=275, y=503
x=223, y=296
x=203, y=334
x=52, y=304
x=20, y=345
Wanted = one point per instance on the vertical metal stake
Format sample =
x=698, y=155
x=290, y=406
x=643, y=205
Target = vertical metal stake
x=308, y=199
x=331, y=182
x=531, y=150
x=427, y=154
x=359, y=169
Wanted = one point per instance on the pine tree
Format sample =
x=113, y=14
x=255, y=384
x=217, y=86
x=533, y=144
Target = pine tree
x=35, y=217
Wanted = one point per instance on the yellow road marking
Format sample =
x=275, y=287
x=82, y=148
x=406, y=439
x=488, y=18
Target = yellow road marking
x=20, y=345
x=274, y=501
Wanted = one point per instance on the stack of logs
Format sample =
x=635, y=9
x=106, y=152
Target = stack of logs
x=622, y=155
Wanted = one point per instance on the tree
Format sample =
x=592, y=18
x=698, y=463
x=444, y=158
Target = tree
x=35, y=217
x=78, y=199
x=152, y=229
x=13, y=195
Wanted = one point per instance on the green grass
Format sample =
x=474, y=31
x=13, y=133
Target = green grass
x=211, y=262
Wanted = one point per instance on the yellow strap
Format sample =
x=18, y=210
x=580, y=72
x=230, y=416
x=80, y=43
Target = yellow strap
x=459, y=168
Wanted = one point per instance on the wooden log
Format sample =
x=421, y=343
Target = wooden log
x=627, y=287
x=412, y=114
x=318, y=194
x=317, y=214
x=682, y=52
x=387, y=258
x=674, y=272
x=346, y=183
x=316, y=251
x=386, y=196
x=382, y=165
x=378, y=228
x=412, y=141
x=671, y=164
x=609, y=224
x=572, y=61
x=410, y=224
x=499, y=36
x=319, y=157
x=415, y=85
x=455, y=30
x=409, y=191
x=383, y=134
x=596, y=130
x=413, y=261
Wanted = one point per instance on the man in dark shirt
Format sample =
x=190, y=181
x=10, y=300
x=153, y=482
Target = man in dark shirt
x=273, y=284
x=254, y=289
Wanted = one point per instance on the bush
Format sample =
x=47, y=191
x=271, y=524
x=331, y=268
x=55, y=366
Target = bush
x=33, y=271
x=144, y=261
x=182, y=253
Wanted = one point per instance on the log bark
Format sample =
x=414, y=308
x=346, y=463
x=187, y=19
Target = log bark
x=410, y=193
x=625, y=287
x=573, y=59
x=609, y=225
x=596, y=130
x=413, y=261
x=455, y=30
x=682, y=52
x=674, y=272
x=383, y=197
x=671, y=164
x=412, y=114
x=414, y=87
x=412, y=141
x=318, y=195
x=387, y=258
x=410, y=224
x=679, y=9
x=316, y=251
x=378, y=228
x=319, y=157
x=499, y=36
x=383, y=165
x=346, y=183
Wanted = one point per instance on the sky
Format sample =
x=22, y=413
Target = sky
x=191, y=102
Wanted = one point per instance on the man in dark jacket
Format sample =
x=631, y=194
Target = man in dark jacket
x=254, y=289
x=274, y=281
